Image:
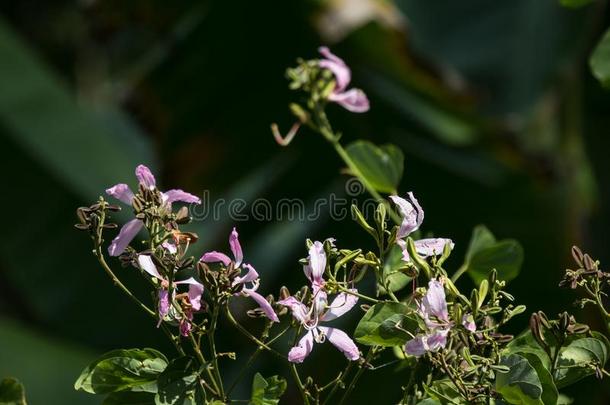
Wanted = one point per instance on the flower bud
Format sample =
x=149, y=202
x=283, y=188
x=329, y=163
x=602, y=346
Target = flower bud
x=577, y=255
x=284, y=293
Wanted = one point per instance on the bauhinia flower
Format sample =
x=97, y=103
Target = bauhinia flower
x=412, y=217
x=310, y=319
x=354, y=99
x=123, y=193
x=433, y=310
x=314, y=271
x=320, y=311
x=194, y=293
x=250, y=281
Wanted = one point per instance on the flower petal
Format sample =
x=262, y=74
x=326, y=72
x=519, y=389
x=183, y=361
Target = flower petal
x=434, y=302
x=195, y=292
x=250, y=276
x=215, y=257
x=185, y=326
x=342, y=303
x=125, y=236
x=416, y=346
x=341, y=341
x=179, y=195
x=263, y=304
x=163, y=304
x=353, y=100
x=299, y=352
x=411, y=212
x=299, y=310
x=337, y=66
x=437, y=340
x=236, y=247
x=317, y=263
x=468, y=322
x=145, y=177
x=170, y=247
x=147, y=264
x=121, y=192
x=432, y=246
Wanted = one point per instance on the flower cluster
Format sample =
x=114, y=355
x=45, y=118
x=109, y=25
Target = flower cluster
x=451, y=344
x=433, y=311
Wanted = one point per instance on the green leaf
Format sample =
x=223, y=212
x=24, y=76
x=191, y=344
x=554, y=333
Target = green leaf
x=600, y=60
x=130, y=398
x=579, y=359
x=385, y=324
x=267, y=391
x=525, y=343
x=549, y=390
x=382, y=166
x=520, y=385
x=12, y=392
x=123, y=370
x=429, y=401
x=481, y=238
x=575, y=3
x=485, y=254
x=564, y=400
x=444, y=392
x=177, y=384
x=392, y=264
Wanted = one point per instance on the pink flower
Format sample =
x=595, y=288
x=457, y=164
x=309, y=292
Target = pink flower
x=412, y=217
x=194, y=294
x=314, y=271
x=250, y=281
x=468, y=322
x=433, y=310
x=123, y=193
x=354, y=99
x=310, y=319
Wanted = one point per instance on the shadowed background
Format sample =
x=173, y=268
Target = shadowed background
x=492, y=103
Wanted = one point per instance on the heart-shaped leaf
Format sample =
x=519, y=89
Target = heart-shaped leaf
x=385, y=324
x=579, y=359
x=123, y=370
x=267, y=391
x=485, y=253
x=381, y=166
x=177, y=384
x=521, y=384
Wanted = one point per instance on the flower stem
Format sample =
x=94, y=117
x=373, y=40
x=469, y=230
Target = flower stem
x=204, y=364
x=352, y=383
x=297, y=379
x=245, y=332
x=100, y=257
x=212, y=343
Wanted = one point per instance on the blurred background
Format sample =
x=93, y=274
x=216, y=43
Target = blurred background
x=492, y=102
